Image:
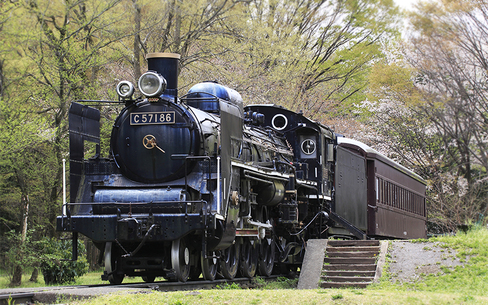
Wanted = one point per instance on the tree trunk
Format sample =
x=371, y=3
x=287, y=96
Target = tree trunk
x=2, y=79
x=17, y=276
x=92, y=254
x=137, y=40
x=35, y=274
x=177, y=34
x=25, y=205
x=53, y=207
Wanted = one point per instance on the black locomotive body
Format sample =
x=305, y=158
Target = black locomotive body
x=198, y=185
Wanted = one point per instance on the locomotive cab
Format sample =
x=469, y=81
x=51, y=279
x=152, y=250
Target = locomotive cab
x=312, y=145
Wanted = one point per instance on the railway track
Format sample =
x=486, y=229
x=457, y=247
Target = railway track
x=49, y=295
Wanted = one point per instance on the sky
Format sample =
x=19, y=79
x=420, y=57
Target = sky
x=405, y=4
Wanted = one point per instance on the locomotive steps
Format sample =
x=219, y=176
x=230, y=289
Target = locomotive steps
x=342, y=263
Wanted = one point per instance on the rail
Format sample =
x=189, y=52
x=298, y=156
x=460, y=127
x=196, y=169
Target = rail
x=50, y=295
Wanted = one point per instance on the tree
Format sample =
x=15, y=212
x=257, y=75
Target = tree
x=350, y=40
x=22, y=152
x=316, y=52
x=185, y=27
x=443, y=118
x=64, y=52
x=51, y=56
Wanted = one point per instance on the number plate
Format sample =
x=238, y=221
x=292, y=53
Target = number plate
x=148, y=118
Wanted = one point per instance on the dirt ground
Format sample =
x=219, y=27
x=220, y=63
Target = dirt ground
x=409, y=260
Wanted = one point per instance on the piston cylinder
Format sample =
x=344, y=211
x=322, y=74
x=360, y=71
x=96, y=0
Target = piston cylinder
x=271, y=194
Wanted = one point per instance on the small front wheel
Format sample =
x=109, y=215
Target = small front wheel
x=111, y=260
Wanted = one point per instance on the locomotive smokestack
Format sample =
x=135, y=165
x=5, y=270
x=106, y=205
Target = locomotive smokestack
x=166, y=64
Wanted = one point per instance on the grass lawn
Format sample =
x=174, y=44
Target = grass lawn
x=289, y=296
x=466, y=284
x=91, y=278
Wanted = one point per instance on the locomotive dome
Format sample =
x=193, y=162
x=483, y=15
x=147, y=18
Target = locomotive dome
x=203, y=96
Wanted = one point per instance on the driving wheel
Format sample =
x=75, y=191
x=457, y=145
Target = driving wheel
x=209, y=266
x=229, y=262
x=249, y=258
x=266, y=256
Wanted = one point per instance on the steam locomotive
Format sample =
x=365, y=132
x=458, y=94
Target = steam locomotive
x=199, y=185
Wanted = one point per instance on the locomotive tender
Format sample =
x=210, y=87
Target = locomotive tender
x=199, y=185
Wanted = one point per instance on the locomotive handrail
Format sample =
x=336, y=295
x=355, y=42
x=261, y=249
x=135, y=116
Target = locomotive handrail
x=348, y=226
x=134, y=203
x=205, y=206
x=262, y=170
x=68, y=214
x=307, y=183
x=99, y=102
x=264, y=175
x=211, y=97
x=246, y=174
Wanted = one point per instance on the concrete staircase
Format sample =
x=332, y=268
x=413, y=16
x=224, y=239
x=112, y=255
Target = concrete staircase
x=350, y=263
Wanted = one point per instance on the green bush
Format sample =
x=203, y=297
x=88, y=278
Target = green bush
x=56, y=266
x=21, y=253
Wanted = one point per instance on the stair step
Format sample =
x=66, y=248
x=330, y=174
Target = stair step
x=347, y=279
x=347, y=267
x=344, y=284
x=356, y=261
x=353, y=254
x=353, y=249
x=347, y=243
x=349, y=273
x=350, y=263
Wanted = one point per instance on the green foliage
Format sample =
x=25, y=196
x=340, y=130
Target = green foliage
x=338, y=296
x=56, y=266
x=280, y=283
x=259, y=281
x=389, y=80
x=21, y=253
x=229, y=286
x=432, y=110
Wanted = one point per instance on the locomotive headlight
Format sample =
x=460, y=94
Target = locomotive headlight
x=125, y=89
x=152, y=84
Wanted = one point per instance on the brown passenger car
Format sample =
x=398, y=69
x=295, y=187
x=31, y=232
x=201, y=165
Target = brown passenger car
x=376, y=194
